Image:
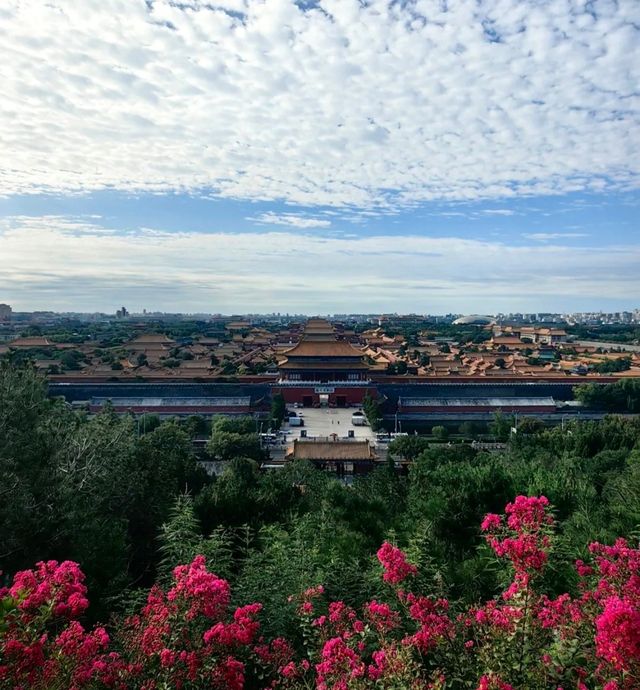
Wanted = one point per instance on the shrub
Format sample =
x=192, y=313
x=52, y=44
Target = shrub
x=188, y=636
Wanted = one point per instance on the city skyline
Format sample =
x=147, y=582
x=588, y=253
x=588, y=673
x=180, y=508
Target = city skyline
x=319, y=157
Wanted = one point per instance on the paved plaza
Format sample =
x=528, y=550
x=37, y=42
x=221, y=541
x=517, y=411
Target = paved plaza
x=321, y=422
x=324, y=421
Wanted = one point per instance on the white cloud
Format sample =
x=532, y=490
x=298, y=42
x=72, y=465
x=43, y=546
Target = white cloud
x=547, y=236
x=53, y=263
x=371, y=105
x=294, y=220
x=498, y=212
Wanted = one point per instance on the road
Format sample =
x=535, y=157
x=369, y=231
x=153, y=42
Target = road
x=608, y=346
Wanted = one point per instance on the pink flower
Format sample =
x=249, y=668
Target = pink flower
x=339, y=663
x=394, y=562
x=618, y=633
x=167, y=658
x=59, y=585
x=382, y=616
x=492, y=682
x=240, y=632
x=490, y=522
x=204, y=592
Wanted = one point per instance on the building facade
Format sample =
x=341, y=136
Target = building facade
x=321, y=370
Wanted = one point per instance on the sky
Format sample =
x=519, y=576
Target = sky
x=233, y=156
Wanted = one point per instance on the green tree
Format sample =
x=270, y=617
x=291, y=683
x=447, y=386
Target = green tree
x=621, y=396
x=439, y=432
x=278, y=410
x=181, y=540
x=468, y=429
x=372, y=411
x=501, y=425
x=401, y=367
x=226, y=445
x=148, y=422
x=530, y=425
x=611, y=366
x=70, y=360
x=237, y=425
x=408, y=447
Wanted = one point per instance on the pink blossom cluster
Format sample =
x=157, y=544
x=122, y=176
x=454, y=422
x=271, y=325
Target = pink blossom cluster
x=190, y=637
x=306, y=599
x=197, y=599
x=240, y=631
x=277, y=658
x=381, y=616
x=618, y=633
x=52, y=584
x=523, y=539
x=31, y=656
x=491, y=681
x=339, y=665
x=204, y=592
x=395, y=564
x=433, y=617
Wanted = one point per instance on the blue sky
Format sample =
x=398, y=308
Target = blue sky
x=329, y=156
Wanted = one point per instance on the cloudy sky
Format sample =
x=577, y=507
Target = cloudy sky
x=320, y=155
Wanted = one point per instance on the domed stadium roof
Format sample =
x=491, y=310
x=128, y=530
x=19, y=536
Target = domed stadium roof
x=474, y=320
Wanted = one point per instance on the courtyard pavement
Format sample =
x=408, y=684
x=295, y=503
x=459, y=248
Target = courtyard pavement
x=322, y=421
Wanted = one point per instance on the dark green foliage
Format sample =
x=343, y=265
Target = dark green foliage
x=615, y=333
x=236, y=425
x=147, y=422
x=85, y=490
x=225, y=445
x=71, y=359
x=278, y=410
x=408, y=447
x=129, y=503
x=611, y=366
x=235, y=437
x=468, y=429
x=501, y=426
x=195, y=425
x=530, y=425
x=181, y=540
x=621, y=396
x=372, y=411
x=439, y=432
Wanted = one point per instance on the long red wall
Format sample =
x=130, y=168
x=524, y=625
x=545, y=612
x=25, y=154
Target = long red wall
x=353, y=395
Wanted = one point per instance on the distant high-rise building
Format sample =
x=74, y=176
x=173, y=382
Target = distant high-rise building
x=5, y=313
x=122, y=313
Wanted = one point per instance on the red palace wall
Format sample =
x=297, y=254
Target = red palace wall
x=353, y=395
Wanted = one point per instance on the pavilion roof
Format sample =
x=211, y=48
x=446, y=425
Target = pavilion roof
x=34, y=341
x=332, y=366
x=323, y=348
x=332, y=450
x=153, y=338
